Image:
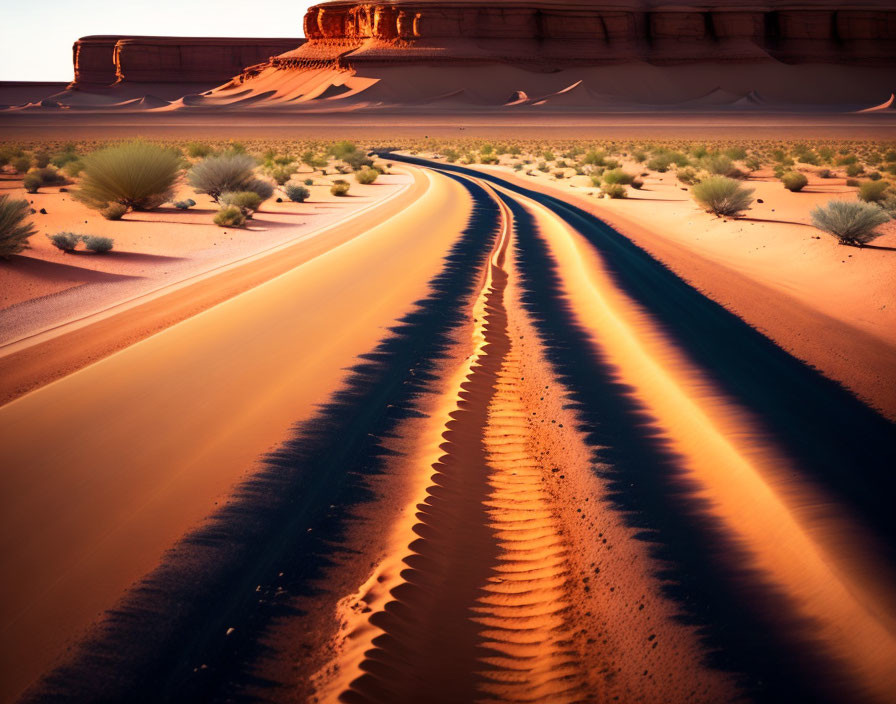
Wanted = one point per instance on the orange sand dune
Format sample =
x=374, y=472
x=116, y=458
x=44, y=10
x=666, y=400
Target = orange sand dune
x=145, y=441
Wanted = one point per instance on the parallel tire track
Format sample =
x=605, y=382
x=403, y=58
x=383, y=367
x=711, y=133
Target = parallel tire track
x=480, y=613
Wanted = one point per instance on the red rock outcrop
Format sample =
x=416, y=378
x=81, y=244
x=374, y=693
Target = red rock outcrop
x=575, y=32
x=105, y=60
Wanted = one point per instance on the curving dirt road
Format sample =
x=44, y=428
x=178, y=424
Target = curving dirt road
x=562, y=475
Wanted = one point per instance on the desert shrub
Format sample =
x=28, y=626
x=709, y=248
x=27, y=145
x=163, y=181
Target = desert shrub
x=851, y=223
x=723, y=196
x=875, y=176
x=560, y=173
x=736, y=153
x=64, y=157
x=74, y=168
x=41, y=159
x=296, y=193
x=873, y=191
x=853, y=182
x=98, y=244
x=824, y=173
x=888, y=204
x=890, y=155
x=342, y=169
x=263, y=189
x=340, y=187
x=114, y=211
x=309, y=181
x=638, y=155
x=854, y=170
x=686, y=175
x=247, y=201
x=15, y=229
x=184, y=204
x=31, y=183
x=137, y=175
x=21, y=164
x=637, y=184
x=660, y=162
x=282, y=173
x=794, y=181
x=197, y=150
x=218, y=174
x=617, y=176
x=66, y=241
x=613, y=190
x=366, y=175
x=230, y=216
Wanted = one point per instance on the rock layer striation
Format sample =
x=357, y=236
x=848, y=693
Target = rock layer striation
x=104, y=60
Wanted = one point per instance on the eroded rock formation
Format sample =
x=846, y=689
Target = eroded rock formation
x=104, y=60
x=556, y=33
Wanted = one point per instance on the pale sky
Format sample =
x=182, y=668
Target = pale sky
x=36, y=36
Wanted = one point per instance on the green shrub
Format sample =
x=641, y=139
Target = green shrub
x=340, y=187
x=263, y=189
x=686, y=175
x=794, y=181
x=214, y=175
x=873, y=191
x=247, y=201
x=617, y=176
x=614, y=190
x=31, y=183
x=66, y=241
x=719, y=165
x=197, y=150
x=114, y=211
x=282, y=174
x=74, y=168
x=62, y=158
x=184, y=204
x=137, y=175
x=41, y=159
x=97, y=244
x=296, y=193
x=824, y=173
x=15, y=229
x=853, y=182
x=21, y=164
x=723, y=196
x=230, y=216
x=660, y=162
x=366, y=175
x=309, y=181
x=854, y=170
x=851, y=223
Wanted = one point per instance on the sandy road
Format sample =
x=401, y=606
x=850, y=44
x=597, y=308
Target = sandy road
x=616, y=490
x=484, y=610
x=106, y=468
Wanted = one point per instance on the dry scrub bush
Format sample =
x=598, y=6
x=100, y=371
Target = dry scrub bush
x=873, y=191
x=851, y=223
x=137, y=175
x=366, y=175
x=66, y=241
x=617, y=176
x=614, y=190
x=794, y=181
x=98, y=244
x=296, y=193
x=340, y=187
x=114, y=211
x=723, y=196
x=219, y=174
x=247, y=201
x=230, y=216
x=15, y=229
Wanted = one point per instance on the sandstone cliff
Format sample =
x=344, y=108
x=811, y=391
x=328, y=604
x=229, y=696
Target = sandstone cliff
x=556, y=33
x=104, y=60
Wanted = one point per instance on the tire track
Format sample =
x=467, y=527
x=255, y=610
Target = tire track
x=480, y=613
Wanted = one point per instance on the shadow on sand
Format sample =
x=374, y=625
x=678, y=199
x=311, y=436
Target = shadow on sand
x=166, y=641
